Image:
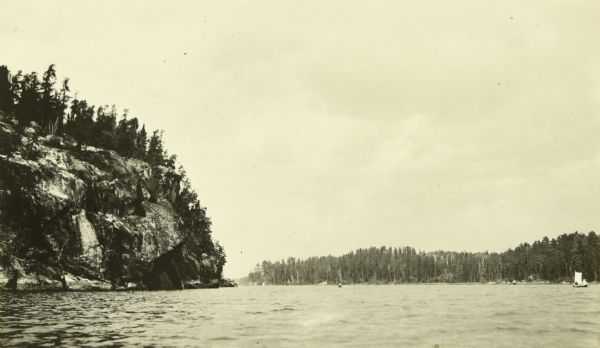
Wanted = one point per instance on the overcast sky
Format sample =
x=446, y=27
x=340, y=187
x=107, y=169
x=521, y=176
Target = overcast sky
x=314, y=128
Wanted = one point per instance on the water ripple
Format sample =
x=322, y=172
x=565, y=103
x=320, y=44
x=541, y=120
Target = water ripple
x=402, y=315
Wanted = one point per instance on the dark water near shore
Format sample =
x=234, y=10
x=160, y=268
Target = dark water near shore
x=387, y=315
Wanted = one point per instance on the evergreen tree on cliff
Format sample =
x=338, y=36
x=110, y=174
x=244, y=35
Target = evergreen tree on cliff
x=28, y=104
x=156, y=153
x=49, y=102
x=141, y=142
x=104, y=128
x=6, y=97
x=80, y=121
x=62, y=100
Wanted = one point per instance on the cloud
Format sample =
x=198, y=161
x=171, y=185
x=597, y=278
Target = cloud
x=312, y=128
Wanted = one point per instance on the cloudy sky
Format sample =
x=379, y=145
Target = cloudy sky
x=317, y=127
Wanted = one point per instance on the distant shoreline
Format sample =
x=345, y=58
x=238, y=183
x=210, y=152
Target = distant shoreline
x=546, y=260
x=436, y=283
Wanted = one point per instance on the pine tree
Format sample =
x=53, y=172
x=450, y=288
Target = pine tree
x=62, y=100
x=139, y=200
x=81, y=121
x=156, y=154
x=127, y=136
x=6, y=96
x=48, y=101
x=104, y=127
x=141, y=143
x=28, y=104
x=15, y=91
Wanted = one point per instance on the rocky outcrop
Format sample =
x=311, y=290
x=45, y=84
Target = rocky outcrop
x=84, y=218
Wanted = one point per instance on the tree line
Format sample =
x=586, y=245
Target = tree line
x=551, y=260
x=27, y=100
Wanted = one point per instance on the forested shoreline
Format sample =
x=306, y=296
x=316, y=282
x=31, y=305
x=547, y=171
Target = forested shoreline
x=552, y=260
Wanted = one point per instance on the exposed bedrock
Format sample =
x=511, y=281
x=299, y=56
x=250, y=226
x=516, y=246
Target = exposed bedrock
x=90, y=219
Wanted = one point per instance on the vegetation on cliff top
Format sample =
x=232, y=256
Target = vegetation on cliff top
x=28, y=99
x=550, y=260
x=44, y=123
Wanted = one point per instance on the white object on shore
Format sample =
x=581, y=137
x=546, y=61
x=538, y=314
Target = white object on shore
x=579, y=282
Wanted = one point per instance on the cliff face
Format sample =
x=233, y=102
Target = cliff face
x=86, y=218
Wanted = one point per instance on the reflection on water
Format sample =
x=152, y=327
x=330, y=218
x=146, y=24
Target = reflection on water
x=390, y=315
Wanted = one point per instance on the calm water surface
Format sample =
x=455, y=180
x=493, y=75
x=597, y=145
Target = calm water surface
x=387, y=315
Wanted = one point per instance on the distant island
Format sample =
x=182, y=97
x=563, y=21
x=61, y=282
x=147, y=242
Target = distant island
x=90, y=201
x=550, y=260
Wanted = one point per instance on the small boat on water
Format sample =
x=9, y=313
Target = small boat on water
x=579, y=282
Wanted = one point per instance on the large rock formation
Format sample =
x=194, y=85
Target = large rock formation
x=79, y=218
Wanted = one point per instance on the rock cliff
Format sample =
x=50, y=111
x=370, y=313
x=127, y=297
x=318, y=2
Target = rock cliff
x=77, y=217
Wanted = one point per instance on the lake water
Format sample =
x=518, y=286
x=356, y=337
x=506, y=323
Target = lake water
x=275, y=316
